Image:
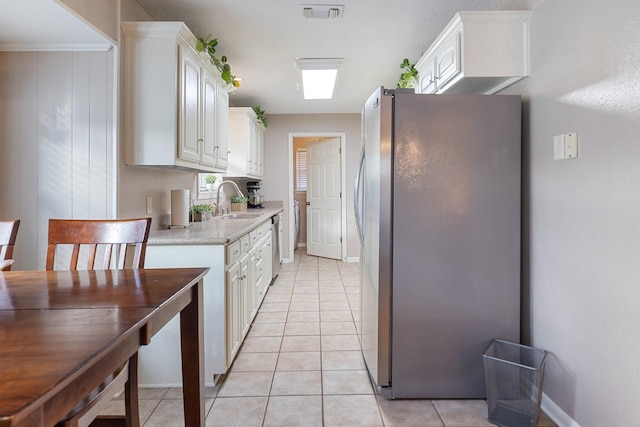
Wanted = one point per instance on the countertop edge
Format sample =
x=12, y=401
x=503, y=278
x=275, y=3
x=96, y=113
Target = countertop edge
x=216, y=231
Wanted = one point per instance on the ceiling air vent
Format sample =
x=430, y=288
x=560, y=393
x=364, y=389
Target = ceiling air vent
x=322, y=11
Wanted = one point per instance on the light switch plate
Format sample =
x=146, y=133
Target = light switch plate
x=571, y=145
x=558, y=147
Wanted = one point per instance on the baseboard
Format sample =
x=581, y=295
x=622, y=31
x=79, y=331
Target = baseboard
x=174, y=385
x=353, y=259
x=561, y=418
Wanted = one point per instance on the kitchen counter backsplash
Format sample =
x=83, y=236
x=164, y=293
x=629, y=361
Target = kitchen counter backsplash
x=216, y=231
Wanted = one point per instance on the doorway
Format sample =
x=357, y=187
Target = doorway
x=298, y=180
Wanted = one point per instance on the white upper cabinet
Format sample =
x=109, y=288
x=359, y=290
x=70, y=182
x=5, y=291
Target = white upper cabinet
x=477, y=52
x=222, y=128
x=175, y=103
x=246, y=144
x=190, y=141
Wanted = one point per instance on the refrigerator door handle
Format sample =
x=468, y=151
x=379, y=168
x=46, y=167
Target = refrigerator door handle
x=357, y=200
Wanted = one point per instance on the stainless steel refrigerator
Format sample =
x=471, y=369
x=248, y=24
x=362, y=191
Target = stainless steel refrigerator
x=437, y=204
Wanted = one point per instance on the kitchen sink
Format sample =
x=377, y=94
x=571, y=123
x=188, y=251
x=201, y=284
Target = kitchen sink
x=241, y=216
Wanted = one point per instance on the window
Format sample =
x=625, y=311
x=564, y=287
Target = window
x=301, y=169
x=206, y=190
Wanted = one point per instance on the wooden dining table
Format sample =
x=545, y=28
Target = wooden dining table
x=63, y=332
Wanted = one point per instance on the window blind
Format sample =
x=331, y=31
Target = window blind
x=301, y=169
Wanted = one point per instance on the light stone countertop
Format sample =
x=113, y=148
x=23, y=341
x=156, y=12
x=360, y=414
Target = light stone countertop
x=217, y=231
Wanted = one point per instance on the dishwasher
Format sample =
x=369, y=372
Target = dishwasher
x=276, y=243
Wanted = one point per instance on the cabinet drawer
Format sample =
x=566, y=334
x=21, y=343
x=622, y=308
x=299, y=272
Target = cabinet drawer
x=233, y=252
x=254, y=237
x=245, y=243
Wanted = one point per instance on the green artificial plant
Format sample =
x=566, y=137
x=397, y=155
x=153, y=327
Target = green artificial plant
x=208, y=45
x=238, y=199
x=203, y=207
x=409, y=76
x=260, y=114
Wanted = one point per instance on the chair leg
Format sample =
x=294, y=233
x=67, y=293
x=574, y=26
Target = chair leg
x=132, y=413
x=131, y=394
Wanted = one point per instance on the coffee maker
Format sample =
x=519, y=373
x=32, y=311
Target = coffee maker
x=253, y=193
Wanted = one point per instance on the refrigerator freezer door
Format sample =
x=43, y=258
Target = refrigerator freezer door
x=375, y=260
x=358, y=197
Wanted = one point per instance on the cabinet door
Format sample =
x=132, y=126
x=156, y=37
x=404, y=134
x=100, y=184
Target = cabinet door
x=245, y=290
x=189, y=132
x=222, y=128
x=264, y=276
x=208, y=120
x=259, y=272
x=260, y=152
x=252, y=300
x=252, y=149
x=448, y=60
x=267, y=265
x=427, y=77
x=234, y=312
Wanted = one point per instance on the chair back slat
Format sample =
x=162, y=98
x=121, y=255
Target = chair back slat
x=75, y=256
x=8, y=236
x=106, y=259
x=90, y=238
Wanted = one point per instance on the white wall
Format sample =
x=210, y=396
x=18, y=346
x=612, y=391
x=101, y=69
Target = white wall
x=275, y=185
x=581, y=232
x=56, y=143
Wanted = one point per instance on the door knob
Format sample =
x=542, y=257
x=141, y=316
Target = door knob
x=308, y=203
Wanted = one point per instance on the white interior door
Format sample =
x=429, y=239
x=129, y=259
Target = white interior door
x=323, y=199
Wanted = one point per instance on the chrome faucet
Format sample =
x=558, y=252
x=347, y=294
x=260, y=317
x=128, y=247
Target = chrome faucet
x=220, y=188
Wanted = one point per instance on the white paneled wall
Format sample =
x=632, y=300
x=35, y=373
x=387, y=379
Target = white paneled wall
x=56, y=142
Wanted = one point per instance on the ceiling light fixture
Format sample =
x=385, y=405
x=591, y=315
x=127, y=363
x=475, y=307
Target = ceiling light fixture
x=322, y=11
x=318, y=76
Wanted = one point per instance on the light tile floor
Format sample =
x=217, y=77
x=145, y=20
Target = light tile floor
x=300, y=366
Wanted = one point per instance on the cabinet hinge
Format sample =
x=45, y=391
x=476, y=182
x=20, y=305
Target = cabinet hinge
x=341, y=240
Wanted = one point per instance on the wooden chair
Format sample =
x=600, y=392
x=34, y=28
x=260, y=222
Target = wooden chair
x=127, y=240
x=8, y=235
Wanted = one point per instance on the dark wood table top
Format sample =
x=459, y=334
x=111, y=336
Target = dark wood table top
x=44, y=352
x=62, y=332
x=94, y=289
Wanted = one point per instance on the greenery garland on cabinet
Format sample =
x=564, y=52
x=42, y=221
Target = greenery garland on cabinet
x=208, y=45
x=261, y=115
x=409, y=77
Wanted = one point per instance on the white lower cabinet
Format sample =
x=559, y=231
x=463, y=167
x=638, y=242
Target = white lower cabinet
x=160, y=364
x=245, y=273
x=234, y=310
x=234, y=288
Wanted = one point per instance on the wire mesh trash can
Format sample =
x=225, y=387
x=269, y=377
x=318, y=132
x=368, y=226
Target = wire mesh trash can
x=513, y=376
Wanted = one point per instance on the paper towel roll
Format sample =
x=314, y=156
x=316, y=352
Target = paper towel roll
x=180, y=208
